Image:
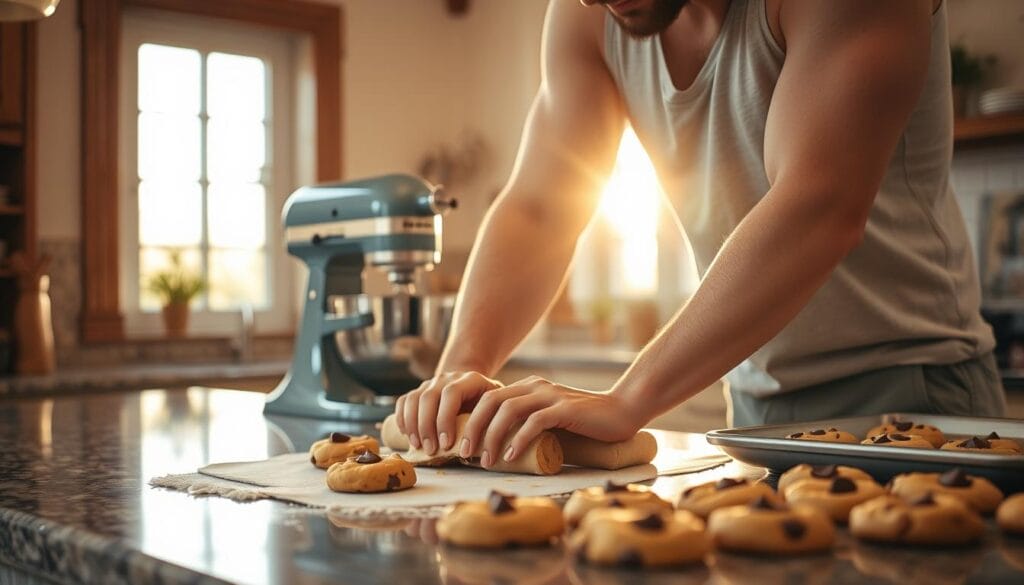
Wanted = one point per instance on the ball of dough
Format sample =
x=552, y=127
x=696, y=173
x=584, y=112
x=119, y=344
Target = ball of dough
x=368, y=473
x=502, y=521
x=977, y=492
x=905, y=427
x=932, y=519
x=829, y=435
x=836, y=497
x=767, y=527
x=824, y=473
x=1010, y=515
x=611, y=495
x=707, y=497
x=338, y=447
x=898, y=440
x=637, y=538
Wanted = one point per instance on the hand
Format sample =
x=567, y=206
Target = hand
x=538, y=405
x=427, y=414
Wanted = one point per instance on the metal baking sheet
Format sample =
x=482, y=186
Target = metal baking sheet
x=767, y=446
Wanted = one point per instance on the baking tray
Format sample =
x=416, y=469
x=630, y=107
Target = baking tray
x=766, y=446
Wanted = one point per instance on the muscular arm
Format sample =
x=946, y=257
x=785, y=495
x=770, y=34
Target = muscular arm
x=529, y=235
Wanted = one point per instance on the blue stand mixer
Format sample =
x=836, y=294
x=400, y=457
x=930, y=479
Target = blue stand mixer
x=356, y=352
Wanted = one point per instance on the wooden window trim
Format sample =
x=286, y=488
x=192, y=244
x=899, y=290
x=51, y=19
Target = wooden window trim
x=100, y=20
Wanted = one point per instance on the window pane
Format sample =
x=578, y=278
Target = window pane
x=169, y=147
x=168, y=79
x=236, y=86
x=155, y=260
x=170, y=213
x=237, y=276
x=236, y=150
x=237, y=215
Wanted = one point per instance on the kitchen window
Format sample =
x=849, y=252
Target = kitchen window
x=205, y=146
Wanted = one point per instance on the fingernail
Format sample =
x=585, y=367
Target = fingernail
x=464, y=451
x=414, y=441
x=445, y=443
x=485, y=459
x=510, y=453
x=428, y=445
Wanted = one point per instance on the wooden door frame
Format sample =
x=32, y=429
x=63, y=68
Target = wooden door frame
x=101, y=318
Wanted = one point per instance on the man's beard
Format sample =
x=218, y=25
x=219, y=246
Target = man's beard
x=644, y=23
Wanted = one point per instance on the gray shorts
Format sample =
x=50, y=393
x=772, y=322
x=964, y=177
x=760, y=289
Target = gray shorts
x=967, y=388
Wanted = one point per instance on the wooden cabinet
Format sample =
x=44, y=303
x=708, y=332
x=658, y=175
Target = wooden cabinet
x=12, y=74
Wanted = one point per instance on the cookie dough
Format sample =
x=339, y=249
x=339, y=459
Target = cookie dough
x=898, y=440
x=979, y=445
x=824, y=473
x=611, y=495
x=829, y=435
x=502, y=521
x=576, y=450
x=770, y=528
x=705, y=498
x=637, y=538
x=905, y=427
x=1001, y=443
x=369, y=473
x=339, y=447
x=930, y=519
x=977, y=492
x=1010, y=515
x=543, y=456
x=836, y=497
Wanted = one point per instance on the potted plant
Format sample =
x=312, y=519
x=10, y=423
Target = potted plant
x=967, y=71
x=176, y=287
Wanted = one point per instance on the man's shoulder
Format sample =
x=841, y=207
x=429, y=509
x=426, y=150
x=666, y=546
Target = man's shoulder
x=577, y=26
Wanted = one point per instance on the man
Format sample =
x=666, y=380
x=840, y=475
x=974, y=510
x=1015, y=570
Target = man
x=805, y=146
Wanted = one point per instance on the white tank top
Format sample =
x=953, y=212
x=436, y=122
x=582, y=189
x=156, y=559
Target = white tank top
x=908, y=294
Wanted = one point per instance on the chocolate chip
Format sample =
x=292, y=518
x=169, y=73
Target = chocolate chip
x=818, y=432
x=975, y=443
x=728, y=482
x=499, y=503
x=823, y=471
x=919, y=427
x=631, y=558
x=312, y=459
x=954, y=478
x=903, y=426
x=340, y=438
x=842, y=485
x=763, y=503
x=833, y=430
x=881, y=439
x=393, y=482
x=368, y=457
x=925, y=500
x=795, y=436
x=794, y=529
x=611, y=486
x=653, y=523
x=616, y=503
x=899, y=437
x=992, y=435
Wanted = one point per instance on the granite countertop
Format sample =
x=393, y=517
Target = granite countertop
x=75, y=507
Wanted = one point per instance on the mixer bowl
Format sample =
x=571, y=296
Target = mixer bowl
x=402, y=346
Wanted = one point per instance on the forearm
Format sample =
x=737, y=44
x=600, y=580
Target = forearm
x=516, y=268
x=765, y=273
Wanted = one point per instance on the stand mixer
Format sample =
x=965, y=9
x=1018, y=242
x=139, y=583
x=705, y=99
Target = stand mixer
x=356, y=352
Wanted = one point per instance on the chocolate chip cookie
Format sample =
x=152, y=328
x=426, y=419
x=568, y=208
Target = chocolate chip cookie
x=898, y=440
x=368, y=473
x=611, y=495
x=993, y=446
x=637, y=538
x=704, y=498
x=905, y=427
x=929, y=519
x=1010, y=515
x=836, y=497
x=977, y=492
x=769, y=528
x=338, y=447
x=829, y=435
x=502, y=521
x=823, y=473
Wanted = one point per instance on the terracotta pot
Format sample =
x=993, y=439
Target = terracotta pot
x=175, y=319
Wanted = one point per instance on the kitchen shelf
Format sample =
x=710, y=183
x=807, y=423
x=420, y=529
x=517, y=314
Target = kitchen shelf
x=12, y=136
x=11, y=210
x=988, y=129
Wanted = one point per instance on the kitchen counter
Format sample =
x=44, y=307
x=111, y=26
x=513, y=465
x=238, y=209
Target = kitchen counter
x=75, y=507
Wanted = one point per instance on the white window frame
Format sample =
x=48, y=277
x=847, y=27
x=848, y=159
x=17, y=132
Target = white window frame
x=281, y=51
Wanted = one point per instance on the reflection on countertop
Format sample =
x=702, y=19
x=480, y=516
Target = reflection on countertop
x=75, y=507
